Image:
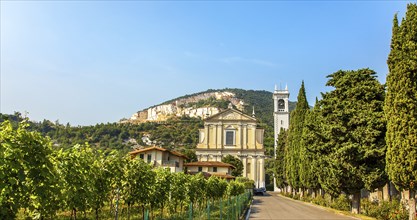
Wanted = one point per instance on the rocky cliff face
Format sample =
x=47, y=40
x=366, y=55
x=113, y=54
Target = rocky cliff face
x=194, y=106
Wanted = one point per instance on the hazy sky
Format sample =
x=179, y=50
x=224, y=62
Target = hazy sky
x=100, y=61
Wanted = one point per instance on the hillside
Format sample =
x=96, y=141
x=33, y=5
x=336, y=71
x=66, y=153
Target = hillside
x=198, y=106
x=207, y=103
x=174, y=131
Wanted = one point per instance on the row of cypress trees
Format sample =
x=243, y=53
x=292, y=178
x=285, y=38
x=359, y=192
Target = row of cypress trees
x=361, y=134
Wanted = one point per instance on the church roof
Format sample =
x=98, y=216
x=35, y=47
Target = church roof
x=230, y=112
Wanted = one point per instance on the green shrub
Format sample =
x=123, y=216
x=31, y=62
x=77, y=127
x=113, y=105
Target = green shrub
x=248, y=183
x=269, y=187
x=369, y=208
x=329, y=199
x=385, y=210
x=296, y=196
x=341, y=203
x=306, y=198
x=319, y=200
x=400, y=212
x=287, y=194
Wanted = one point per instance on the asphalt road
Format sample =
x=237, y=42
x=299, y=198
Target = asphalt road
x=276, y=207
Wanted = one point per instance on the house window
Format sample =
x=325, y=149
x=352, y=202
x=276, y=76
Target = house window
x=214, y=169
x=230, y=137
x=149, y=158
x=141, y=156
x=200, y=169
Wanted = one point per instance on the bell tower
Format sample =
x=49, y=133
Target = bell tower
x=281, y=116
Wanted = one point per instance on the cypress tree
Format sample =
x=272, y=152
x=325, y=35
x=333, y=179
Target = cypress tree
x=310, y=142
x=401, y=106
x=353, y=123
x=279, y=166
x=294, y=138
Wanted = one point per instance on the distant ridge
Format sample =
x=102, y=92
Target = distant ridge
x=209, y=102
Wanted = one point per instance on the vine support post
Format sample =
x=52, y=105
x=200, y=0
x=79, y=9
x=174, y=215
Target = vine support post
x=190, y=211
x=117, y=204
x=208, y=209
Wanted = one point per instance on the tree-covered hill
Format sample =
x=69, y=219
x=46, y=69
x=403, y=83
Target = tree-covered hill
x=176, y=133
x=180, y=133
x=260, y=99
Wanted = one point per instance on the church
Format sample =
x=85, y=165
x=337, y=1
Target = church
x=231, y=132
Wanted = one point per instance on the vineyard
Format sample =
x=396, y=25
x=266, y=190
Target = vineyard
x=41, y=182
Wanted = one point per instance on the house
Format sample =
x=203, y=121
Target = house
x=161, y=157
x=211, y=168
x=231, y=132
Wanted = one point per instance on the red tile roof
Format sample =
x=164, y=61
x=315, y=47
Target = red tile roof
x=208, y=164
x=133, y=153
x=224, y=176
x=207, y=175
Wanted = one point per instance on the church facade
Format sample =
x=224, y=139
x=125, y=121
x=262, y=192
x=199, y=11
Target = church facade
x=231, y=132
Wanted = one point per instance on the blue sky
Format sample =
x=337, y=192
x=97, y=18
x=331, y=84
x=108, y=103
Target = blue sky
x=100, y=61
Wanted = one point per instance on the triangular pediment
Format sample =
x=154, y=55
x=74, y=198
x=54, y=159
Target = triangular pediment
x=231, y=115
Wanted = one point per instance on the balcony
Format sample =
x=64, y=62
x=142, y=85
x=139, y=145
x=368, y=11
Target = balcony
x=170, y=163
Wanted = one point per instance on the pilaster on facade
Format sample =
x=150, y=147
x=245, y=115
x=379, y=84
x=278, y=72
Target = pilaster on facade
x=206, y=135
x=215, y=136
x=245, y=162
x=262, y=172
x=218, y=134
x=245, y=136
x=255, y=171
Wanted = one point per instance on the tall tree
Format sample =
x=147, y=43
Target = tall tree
x=160, y=189
x=138, y=182
x=178, y=190
x=196, y=189
x=279, y=163
x=309, y=167
x=401, y=106
x=294, y=139
x=354, y=149
x=76, y=169
x=236, y=162
x=28, y=173
x=101, y=176
x=215, y=188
